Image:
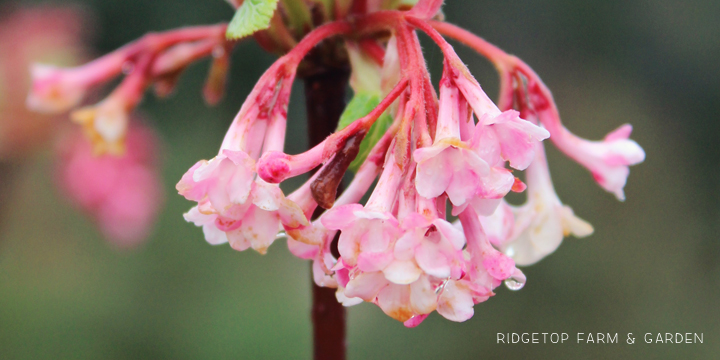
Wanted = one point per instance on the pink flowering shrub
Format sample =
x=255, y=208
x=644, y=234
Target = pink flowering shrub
x=438, y=156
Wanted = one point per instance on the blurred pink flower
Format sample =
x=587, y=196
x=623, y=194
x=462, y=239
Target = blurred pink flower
x=28, y=35
x=122, y=194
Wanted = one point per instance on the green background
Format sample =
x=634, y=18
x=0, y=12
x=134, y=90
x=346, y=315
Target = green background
x=651, y=266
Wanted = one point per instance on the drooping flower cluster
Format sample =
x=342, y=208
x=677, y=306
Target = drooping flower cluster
x=459, y=150
x=435, y=156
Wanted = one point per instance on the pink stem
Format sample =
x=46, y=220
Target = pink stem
x=426, y=8
x=107, y=67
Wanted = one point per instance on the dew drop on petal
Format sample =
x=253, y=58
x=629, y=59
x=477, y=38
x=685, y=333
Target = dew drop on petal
x=281, y=235
x=510, y=251
x=514, y=284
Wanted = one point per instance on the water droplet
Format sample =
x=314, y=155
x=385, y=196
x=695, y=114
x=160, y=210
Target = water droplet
x=281, y=235
x=128, y=67
x=510, y=251
x=514, y=284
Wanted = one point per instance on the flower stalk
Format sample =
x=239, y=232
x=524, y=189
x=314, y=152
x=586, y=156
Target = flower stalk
x=324, y=99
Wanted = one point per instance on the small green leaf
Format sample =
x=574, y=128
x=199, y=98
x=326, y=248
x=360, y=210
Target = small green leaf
x=251, y=16
x=360, y=105
x=381, y=125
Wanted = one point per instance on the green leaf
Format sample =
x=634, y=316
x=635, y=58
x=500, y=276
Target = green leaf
x=360, y=105
x=251, y=16
x=381, y=125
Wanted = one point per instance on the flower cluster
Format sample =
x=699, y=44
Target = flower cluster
x=446, y=154
x=156, y=59
x=435, y=233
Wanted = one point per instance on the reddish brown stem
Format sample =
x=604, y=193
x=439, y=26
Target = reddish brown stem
x=325, y=101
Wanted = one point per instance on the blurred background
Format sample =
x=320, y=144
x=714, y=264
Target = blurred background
x=651, y=266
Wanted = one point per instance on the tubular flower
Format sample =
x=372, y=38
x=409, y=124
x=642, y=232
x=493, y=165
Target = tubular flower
x=234, y=205
x=534, y=230
x=398, y=249
x=156, y=59
x=607, y=160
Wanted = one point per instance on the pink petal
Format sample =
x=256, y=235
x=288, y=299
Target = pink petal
x=366, y=285
x=422, y=296
x=433, y=175
x=432, y=260
x=499, y=265
x=341, y=217
x=302, y=250
x=452, y=234
x=456, y=302
x=190, y=189
x=415, y=321
x=518, y=138
x=402, y=272
x=406, y=244
x=394, y=300
x=260, y=227
x=373, y=261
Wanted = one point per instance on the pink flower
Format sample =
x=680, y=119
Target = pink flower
x=157, y=58
x=234, y=205
x=233, y=208
x=225, y=181
x=510, y=137
x=436, y=247
x=122, y=194
x=54, y=90
x=472, y=172
x=105, y=124
x=488, y=266
x=608, y=160
x=534, y=230
x=486, y=269
x=449, y=165
x=366, y=235
x=28, y=35
x=402, y=302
